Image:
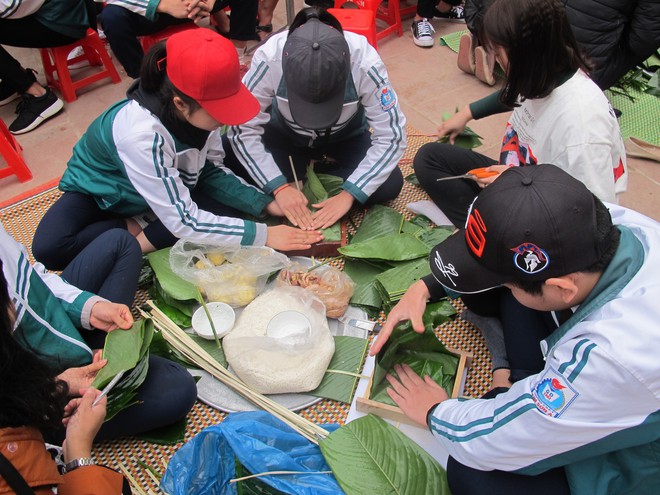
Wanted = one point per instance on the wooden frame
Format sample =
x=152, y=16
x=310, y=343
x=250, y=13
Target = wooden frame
x=366, y=405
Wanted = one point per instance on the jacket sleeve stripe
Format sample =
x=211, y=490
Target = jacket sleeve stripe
x=178, y=203
x=253, y=167
x=582, y=363
x=573, y=360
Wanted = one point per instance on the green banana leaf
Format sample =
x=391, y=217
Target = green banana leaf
x=393, y=247
x=123, y=349
x=467, y=139
x=431, y=237
x=320, y=187
x=171, y=284
x=177, y=316
x=424, y=352
x=412, y=178
x=392, y=284
x=349, y=356
x=363, y=275
x=369, y=456
x=123, y=394
x=167, y=435
x=381, y=221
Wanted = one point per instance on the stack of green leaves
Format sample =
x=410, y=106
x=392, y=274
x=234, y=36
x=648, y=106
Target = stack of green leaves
x=369, y=455
x=467, y=138
x=424, y=353
x=174, y=296
x=128, y=351
x=387, y=255
x=318, y=188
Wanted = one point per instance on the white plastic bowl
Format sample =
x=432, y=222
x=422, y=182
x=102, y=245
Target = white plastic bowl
x=289, y=327
x=223, y=319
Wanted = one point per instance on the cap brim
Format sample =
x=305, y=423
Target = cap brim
x=454, y=267
x=316, y=116
x=236, y=109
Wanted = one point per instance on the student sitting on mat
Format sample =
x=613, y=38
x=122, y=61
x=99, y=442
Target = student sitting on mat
x=153, y=163
x=559, y=114
x=63, y=322
x=585, y=421
x=320, y=90
x=33, y=398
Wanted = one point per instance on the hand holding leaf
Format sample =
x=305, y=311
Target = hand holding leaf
x=414, y=395
x=109, y=316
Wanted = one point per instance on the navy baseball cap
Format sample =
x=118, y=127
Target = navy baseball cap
x=531, y=224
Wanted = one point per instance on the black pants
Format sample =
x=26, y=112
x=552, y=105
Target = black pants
x=453, y=197
x=426, y=8
x=122, y=28
x=75, y=220
x=338, y=159
x=29, y=33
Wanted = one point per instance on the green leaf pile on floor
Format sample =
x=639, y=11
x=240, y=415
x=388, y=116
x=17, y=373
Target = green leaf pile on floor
x=387, y=255
x=369, y=455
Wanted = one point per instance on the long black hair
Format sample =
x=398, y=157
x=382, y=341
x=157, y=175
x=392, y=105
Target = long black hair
x=539, y=42
x=29, y=392
x=153, y=79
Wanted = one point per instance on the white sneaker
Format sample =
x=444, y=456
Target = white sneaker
x=422, y=32
x=77, y=52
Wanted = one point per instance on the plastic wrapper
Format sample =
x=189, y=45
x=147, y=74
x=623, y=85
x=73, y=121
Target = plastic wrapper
x=329, y=284
x=289, y=359
x=261, y=443
x=233, y=275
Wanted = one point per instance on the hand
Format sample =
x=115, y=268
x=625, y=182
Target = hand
x=108, y=316
x=82, y=422
x=274, y=210
x=489, y=180
x=80, y=379
x=285, y=238
x=410, y=307
x=293, y=204
x=502, y=378
x=412, y=394
x=184, y=9
x=332, y=209
x=455, y=124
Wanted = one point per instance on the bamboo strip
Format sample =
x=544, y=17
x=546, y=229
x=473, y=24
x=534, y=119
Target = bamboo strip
x=278, y=473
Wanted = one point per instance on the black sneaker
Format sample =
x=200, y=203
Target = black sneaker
x=454, y=14
x=7, y=94
x=34, y=110
x=422, y=32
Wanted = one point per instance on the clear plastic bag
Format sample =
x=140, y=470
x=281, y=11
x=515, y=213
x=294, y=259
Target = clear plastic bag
x=285, y=360
x=332, y=286
x=233, y=275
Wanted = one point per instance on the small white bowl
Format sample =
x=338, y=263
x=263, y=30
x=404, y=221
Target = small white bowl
x=290, y=326
x=223, y=319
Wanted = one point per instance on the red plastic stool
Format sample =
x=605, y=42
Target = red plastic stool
x=360, y=21
x=10, y=150
x=149, y=40
x=56, y=65
x=390, y=14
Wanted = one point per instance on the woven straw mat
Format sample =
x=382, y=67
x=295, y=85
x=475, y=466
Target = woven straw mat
x=21, y=220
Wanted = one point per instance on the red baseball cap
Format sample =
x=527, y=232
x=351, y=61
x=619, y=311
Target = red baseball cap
x=204, y=65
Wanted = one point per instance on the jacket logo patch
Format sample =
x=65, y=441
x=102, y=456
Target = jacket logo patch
x=387, y=98
x=530, y=258
x=553, y=394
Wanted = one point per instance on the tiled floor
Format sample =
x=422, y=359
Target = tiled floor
x=427, y=81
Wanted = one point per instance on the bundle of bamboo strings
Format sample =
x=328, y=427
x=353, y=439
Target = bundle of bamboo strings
x=182, y=342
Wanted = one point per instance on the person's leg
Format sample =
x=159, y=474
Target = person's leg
x=68, y=226
x=109, y=267
x=122, y=28
x=453, y=197
x=524, y=329
x=243, y=20
x=464, y=480
x=166, y=396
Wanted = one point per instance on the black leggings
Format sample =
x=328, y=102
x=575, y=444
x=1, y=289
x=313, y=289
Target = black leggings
x=75, y=220
x=453, y=197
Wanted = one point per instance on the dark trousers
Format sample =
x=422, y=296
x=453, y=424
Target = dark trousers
x=122, y=28
x=453, y=197
x=29, y=33
x=426, y=8
x=339, y=159
x=75, y=220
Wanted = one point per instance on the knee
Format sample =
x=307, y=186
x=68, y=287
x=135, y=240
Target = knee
x=425, y=158
x=182, y=391
x=121, y=243
x=115, y=19
x=47, y=250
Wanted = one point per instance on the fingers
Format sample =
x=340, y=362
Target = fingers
x=300, y=217
x=95, y=366
x=383, y=335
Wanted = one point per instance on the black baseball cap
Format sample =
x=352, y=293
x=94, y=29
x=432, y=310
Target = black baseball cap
x=531, y=224
x=316, y=62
